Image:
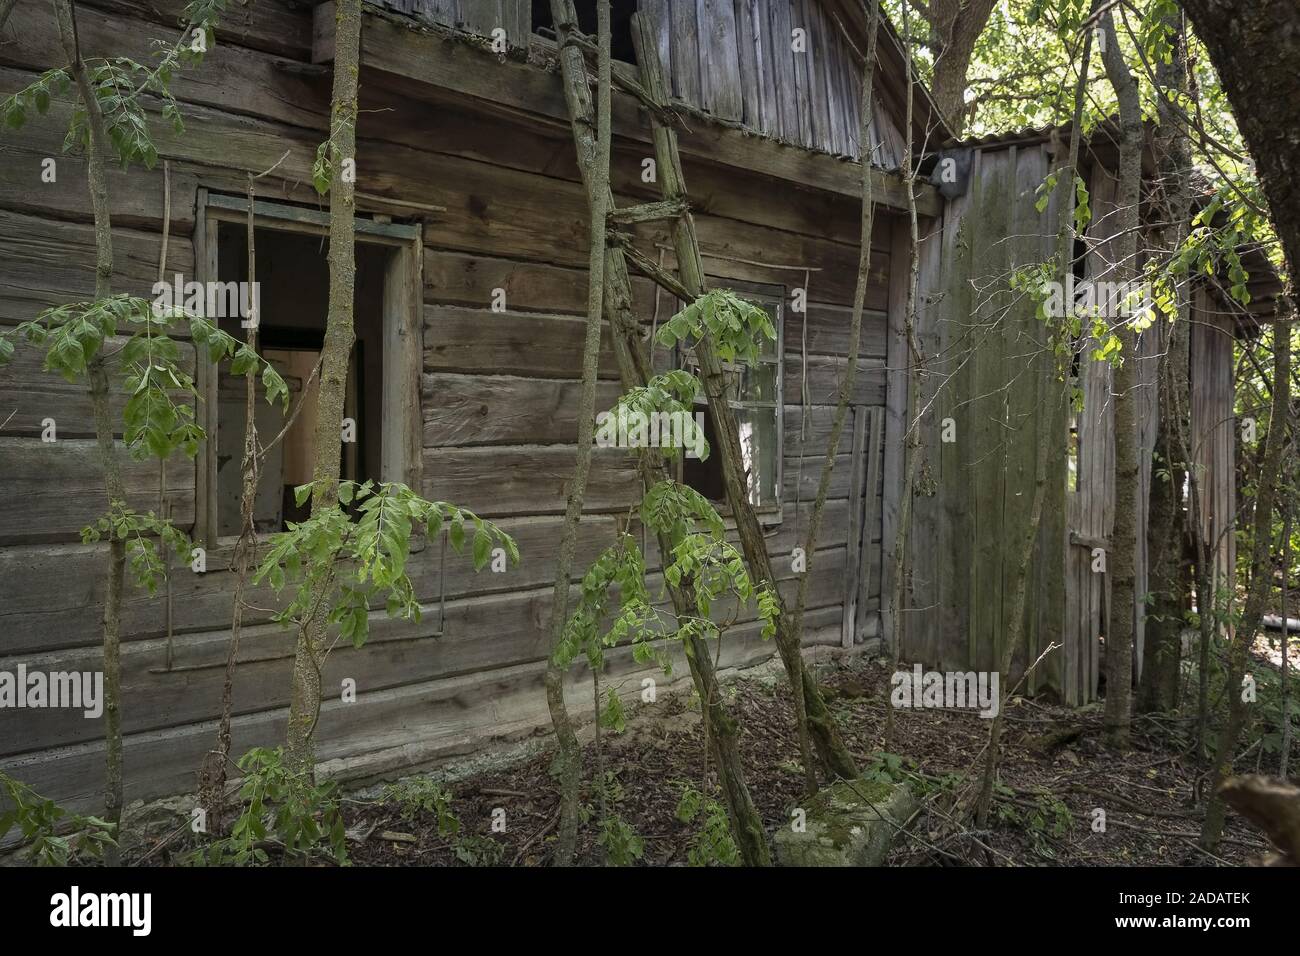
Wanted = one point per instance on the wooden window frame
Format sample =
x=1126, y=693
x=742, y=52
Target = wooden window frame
x=765, y=294
x=402, y=440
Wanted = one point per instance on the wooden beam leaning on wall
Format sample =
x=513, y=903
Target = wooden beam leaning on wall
x=831, y=751
x=440, y=58
x=634, y=370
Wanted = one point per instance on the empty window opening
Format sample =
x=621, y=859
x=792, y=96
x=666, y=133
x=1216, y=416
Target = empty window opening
x=293, y=288
x=620, y=24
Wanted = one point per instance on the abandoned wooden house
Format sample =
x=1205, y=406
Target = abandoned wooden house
x=472, y=251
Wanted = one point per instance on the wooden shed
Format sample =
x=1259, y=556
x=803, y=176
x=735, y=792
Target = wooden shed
x=989, y=378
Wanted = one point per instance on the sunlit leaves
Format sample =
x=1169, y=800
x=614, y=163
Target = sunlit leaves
x=736, y=326
x=673, y=509
x=664, y=398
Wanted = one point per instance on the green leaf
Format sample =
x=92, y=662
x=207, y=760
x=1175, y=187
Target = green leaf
x=482, y=548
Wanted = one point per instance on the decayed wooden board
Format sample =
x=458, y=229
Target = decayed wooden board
x=479, y=16
x=720, y=72
x=448, y=64
x=824, y=374
x=504, y=409
x=135, y=196
x=805, y=476
x=685, y=49
x=896, y=417
x=853, y=571
x=33, y=395
x=451, y=125
x=456, y=278
x=421, y=722
x=786, y=126
x=802, y=71
x=479, y=634
x=988, y=472
x=728, y=255
x=278, y=28
x=828, y=327
x=751, y=91
x=818, y=97
x=479, y=340
x=782, y=539
x=54, y=593
x=820, y=418
x=756, y=13
x=223, y=82
x=658, y=14
x=872, y=547
x=53, y=490
x=516, y=480
x=49, y=263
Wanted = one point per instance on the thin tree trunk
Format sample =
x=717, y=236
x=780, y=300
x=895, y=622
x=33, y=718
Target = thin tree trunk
x=1284, y=760
x=831, y=749
x=97, y=373
x=867, y=221
x=1122, y=559
x=212, y=777
x=915, y=370
x=567, y=766
x=305, y=703
x=634, y=371
x=1261, y=579
x=1167, y=535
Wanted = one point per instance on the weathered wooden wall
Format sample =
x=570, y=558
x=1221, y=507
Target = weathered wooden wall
x=496, y=393
x=1214, y=429
x=735, y=60
x=480, y=17
x=986, y=379
x=988, y=374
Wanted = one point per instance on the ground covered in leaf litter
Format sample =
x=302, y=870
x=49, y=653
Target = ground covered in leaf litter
x=1056, y=774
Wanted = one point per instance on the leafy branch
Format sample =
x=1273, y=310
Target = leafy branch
x=374, y=546
x=736, y=326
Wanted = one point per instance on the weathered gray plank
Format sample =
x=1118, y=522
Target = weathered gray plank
x=685, y=48
x=510, y=343
x=49, y=263
x=783, y=73
x=504, y=409
x=386, y=732
x=494, y=481
x=720, y=76
x=747, y=57
x=54, y=593
x=53, y=490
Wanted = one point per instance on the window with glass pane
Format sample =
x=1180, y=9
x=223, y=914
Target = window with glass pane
x=755, y=391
